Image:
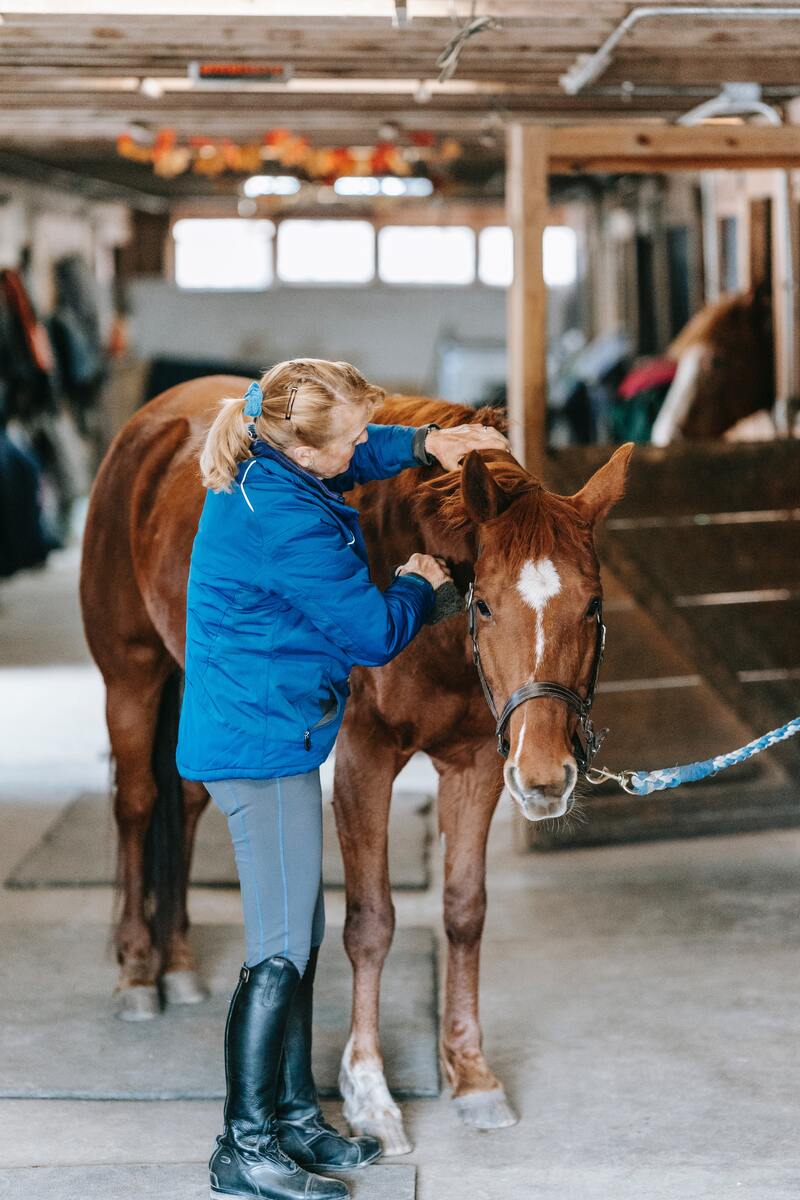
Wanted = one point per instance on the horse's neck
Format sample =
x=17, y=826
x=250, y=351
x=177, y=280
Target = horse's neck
x=394, y=531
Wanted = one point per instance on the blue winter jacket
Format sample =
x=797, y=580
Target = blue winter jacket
x=280, y=606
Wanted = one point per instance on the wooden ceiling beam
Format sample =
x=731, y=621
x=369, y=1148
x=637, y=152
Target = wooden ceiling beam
x=631, y=147
x=768, y=68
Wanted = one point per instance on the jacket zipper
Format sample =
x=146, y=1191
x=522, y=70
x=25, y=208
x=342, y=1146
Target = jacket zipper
x=325, y=721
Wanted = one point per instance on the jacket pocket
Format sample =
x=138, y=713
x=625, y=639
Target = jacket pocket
x=331, y=706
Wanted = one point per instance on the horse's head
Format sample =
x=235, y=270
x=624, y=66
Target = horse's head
x=536, y=598
x=725, y=369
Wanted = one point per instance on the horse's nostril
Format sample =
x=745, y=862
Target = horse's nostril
x=570, y=777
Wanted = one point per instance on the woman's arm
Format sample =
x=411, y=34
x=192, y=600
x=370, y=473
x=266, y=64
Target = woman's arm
x=312, y=567
x=391, y=448
x=388, y=450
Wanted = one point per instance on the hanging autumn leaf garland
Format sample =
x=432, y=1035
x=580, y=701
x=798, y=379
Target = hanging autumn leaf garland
x=293, y=153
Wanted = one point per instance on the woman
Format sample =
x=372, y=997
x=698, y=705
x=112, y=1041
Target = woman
x=280, y=606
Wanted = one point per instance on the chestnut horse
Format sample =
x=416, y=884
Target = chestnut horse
x=726, y=369
x=536, y=581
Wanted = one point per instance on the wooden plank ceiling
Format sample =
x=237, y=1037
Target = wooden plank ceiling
x=72, y=81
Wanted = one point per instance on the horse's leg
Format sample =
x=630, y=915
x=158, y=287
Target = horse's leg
x=180, y=982
x=468, y=793
x=366, y=765
x=132, y=705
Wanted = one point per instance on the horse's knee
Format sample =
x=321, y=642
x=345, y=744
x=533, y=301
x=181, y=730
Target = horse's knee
x=368, y=931
x=464, y=913
x=133, y=808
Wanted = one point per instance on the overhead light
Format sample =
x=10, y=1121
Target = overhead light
x=203, y=8
x=421, y=90
x=270, y=185
x=152, y=88
x=357, y=185
x=202, y=73
x=388, y=185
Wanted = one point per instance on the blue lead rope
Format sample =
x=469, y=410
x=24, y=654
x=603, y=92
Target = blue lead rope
x=642, y=783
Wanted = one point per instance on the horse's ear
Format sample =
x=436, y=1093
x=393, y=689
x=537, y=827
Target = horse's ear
x=482, y=495
x=606, y=486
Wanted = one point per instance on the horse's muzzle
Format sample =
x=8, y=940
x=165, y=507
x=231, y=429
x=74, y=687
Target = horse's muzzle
x=544, y=802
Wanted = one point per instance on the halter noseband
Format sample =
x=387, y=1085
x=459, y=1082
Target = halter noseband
x=585, y=750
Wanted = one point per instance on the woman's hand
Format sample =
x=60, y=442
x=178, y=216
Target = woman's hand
x=449, y=446
x=430, y=568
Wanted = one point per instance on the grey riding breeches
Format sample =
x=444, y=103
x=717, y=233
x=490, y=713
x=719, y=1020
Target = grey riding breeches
x=276, y=830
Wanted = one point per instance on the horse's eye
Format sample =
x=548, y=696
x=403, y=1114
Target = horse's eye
x=483, y=608
x=594, y=607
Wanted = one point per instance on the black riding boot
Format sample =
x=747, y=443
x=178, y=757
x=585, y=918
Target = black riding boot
x=248, y=1161
x=303, y=1132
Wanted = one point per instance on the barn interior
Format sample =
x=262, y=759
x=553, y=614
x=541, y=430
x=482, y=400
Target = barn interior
x=586, y=216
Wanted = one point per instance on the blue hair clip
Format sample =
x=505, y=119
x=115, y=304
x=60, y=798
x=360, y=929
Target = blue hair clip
x=253, y=400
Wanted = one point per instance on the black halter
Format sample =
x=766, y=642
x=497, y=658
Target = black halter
x=585, y=750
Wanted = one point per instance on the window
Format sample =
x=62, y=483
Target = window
x=326, y=251
x=728, y=254
x=496, y=256
x=426, y=254
x=559, y=255
x=223, y=253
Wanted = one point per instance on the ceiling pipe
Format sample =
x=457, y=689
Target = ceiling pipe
x=588, y=67
x=88, y=187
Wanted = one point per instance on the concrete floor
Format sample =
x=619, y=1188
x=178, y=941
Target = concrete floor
x=639, y=1003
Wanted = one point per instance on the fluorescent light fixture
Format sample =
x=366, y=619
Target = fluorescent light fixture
x=388, y=185
x=323, y=85
x=357, y=185
x=204, y=8
x=270, y=185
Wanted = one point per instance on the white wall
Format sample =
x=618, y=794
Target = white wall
x=390, y=333
x=55, y=223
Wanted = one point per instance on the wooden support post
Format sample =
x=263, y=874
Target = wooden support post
x=527, y=206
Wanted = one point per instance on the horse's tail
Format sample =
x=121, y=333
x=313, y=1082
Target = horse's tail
x=164, y=861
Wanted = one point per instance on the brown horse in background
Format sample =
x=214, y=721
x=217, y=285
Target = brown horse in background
x=531, y=556
x=726, y=369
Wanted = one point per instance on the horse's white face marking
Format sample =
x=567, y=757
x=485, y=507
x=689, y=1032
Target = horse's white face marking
x=520, y=742
x=679, y=398
x=538, y=583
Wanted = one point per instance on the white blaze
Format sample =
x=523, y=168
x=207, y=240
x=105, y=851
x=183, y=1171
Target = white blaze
x=679, y=398
x=521, y=741
x=538, y=582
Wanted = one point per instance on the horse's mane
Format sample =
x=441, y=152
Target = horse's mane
x=536, y=524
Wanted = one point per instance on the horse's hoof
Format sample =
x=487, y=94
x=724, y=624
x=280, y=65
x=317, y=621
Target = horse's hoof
x=182, y=987
x=485, y=1110
x=138, y=1003
x=368, y=1105
x=389, y=1131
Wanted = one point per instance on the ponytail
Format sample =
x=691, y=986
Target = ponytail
x=227, y=444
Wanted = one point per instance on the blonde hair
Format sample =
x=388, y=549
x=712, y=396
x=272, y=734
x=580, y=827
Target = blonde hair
x=312, y=388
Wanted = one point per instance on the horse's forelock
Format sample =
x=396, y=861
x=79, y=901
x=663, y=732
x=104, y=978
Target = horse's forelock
x=537, y=523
